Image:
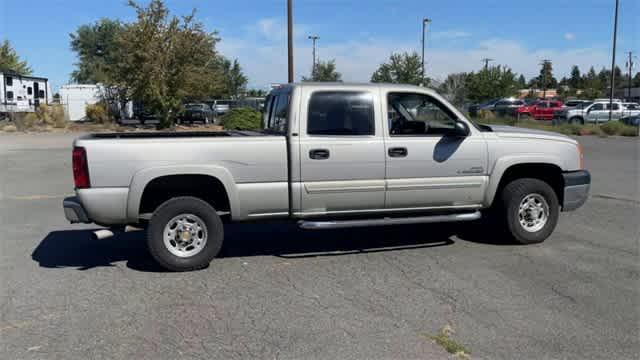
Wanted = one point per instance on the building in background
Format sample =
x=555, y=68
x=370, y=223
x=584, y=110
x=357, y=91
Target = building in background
x=22, y=93
x=538, y=93
x=76, y=97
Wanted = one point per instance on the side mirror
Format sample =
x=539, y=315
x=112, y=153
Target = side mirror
x=461, y=129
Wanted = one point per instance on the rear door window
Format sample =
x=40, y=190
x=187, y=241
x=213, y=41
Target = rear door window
x=341, y=113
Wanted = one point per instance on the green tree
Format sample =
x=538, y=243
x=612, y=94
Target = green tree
x=490, y=83
x=96, y=48
x=636, y=80
x=405, y=68
x=522, y=82
x=324, y=71
x=592, y=85
x=11, y=62
x=575, y=80
x=234, y=78
x=454, y=88
x=256, y=93
x=163, y=60
x=545, y=79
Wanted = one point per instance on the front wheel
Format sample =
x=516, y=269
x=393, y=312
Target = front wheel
x=184, y=233
x=530, y=209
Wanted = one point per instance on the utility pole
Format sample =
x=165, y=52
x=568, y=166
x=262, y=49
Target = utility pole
x=425, y=21
x=314, y=38
x=630, y=68
x=613, y=61
x=486, y=62
x=544, y=77
x=290, y=39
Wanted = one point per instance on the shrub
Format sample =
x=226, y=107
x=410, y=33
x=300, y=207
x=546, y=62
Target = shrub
x=242, y=119
x=569, y=129
x=97, y=113
x=51, y=115
x=25, y=121
x=591, y=130
x=486, y=115
x=618, y=128
x=629, y=131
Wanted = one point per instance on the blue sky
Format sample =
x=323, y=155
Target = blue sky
x=358, y=34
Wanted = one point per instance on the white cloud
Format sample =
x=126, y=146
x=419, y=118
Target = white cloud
x=265, y=62
x=450, y=35
x=569, y=36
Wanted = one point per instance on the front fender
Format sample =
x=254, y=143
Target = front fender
x=143, y=177
x=504, y=163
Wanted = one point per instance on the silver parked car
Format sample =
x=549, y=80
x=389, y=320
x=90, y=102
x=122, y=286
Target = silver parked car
x=331, y=155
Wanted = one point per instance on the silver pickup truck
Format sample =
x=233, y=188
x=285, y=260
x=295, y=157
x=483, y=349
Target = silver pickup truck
x=330, y=156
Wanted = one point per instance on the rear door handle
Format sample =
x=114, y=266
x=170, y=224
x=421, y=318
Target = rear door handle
x=398, y=152
x=319, y=154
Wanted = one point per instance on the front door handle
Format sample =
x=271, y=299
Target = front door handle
x=319, y=154
x=398, y=152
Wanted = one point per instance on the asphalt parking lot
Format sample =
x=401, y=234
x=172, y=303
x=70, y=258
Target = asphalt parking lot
x=281, y=293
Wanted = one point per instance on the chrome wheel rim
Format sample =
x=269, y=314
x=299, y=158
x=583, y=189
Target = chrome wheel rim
x=533, y=212
x=185, y=235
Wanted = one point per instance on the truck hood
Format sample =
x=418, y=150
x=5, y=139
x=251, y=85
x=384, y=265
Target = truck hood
x=517, y=132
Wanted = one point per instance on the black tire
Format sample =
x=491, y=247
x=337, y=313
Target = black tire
x=513, y=195
x=576, y=120
x=172, y=208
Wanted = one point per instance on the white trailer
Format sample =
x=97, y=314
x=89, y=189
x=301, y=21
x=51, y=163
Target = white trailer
x=22, y=93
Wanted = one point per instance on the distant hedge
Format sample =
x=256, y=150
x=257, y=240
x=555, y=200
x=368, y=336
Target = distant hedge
x=242, y=119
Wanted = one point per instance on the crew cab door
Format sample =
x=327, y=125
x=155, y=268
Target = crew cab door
x=342, y=159
x=616, y=114
x=595, y=113
x=429, y=163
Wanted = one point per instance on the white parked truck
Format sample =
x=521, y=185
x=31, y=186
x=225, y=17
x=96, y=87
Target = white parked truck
x=329, y=156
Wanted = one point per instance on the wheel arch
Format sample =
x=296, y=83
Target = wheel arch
x=548, y=169
x=171, y=176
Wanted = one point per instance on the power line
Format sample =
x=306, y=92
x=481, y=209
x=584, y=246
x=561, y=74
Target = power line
x=613, y=61
x=630, y=66
x=425, y=22
x=314, y=38
x=290, y=39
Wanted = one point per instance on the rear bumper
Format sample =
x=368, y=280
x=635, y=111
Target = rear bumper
x=74, y=211
x=576, y=189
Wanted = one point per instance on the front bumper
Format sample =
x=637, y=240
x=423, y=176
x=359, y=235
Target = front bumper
x=74, y=211
x=576, y=189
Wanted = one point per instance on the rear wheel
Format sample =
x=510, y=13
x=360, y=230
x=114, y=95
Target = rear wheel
x=530, y=209
x=576, y=120
x=184, y=233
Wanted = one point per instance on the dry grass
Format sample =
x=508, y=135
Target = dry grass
x=443, y=338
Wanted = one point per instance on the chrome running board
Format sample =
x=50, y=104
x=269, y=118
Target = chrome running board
x=340, y=224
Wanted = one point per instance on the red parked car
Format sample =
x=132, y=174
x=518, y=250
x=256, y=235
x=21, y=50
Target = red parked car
x=526, y=110
x=544, y=109
x=540, y=110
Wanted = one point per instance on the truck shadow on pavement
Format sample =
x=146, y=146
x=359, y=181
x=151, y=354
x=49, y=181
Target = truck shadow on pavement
x=76, y=248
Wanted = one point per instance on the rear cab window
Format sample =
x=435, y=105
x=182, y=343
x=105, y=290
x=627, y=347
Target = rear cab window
x=276, y=116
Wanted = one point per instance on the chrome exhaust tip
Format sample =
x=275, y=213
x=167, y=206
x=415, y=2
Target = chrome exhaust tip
x=102, y=234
